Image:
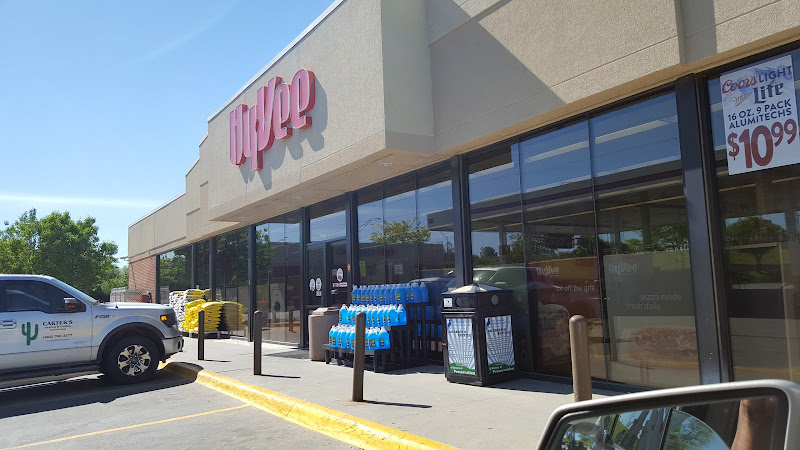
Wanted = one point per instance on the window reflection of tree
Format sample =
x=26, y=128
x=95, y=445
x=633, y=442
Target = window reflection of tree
x=175, y=269
x=232, y=264
x=752, y=244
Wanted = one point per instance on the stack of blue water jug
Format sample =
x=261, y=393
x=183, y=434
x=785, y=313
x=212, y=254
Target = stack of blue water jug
x=390, y=294
x=383, y=306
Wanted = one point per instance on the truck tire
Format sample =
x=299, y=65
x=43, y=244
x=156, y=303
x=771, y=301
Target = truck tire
x=132, y=359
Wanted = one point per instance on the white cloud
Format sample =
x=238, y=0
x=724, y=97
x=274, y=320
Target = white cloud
x=182, y=40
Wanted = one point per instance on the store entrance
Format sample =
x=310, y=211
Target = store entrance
x=329, y=277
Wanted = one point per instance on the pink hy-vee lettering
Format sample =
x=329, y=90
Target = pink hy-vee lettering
x=280, y=108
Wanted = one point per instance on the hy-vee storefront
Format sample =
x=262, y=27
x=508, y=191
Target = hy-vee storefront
x=637, y=165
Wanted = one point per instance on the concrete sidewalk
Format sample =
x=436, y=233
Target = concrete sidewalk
x=419, y=401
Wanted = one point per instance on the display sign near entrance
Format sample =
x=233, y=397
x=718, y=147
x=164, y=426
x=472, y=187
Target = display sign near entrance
x=499, y=344
x=460, y=346
x=760, y=110
x=280, y=107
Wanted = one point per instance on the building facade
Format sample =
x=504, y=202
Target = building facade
x=630, y=161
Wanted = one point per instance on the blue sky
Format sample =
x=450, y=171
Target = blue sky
x=103, y=103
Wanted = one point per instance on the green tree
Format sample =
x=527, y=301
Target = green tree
x=670, y=237
x=175, y=270
x=118, y=279
x=402, y=232
x=753, y=230
x=487, y=256
x=264, y=253
x=60, y=247
x=755, y=236
x=231, y=264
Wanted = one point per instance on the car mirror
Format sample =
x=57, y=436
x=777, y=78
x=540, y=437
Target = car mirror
x=73, y=305
x=746, y=415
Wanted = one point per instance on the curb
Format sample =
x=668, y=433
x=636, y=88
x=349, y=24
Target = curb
x=335, y=424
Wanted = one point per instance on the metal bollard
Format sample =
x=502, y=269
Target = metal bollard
x=201, y=335
x=579, y=347
x=258, y=321
x=358, y=358
x=291, y=318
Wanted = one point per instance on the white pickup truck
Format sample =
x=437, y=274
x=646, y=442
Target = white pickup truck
x=50, y=330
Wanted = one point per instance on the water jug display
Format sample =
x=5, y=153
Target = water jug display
x=402, y=318
x=383, y=339
x=385, y=307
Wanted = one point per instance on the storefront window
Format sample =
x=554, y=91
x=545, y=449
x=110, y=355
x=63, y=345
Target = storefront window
x=758, y=218
x=232, y=280
x=561, y=246
x=328, y=221
x=326, y=255
x=644, y=243
x=590, y=219
x=279, y=292
x=175, y=272
x=437, y=256
x=401, y=231
x=405, y=230
x=201, y=269
x=498, y=251
x=371, y=255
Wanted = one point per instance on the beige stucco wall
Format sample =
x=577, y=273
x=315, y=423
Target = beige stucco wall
x=161, y=230
x=344, y=52
x=413, y=82
x=722, y=29
x=512, y=65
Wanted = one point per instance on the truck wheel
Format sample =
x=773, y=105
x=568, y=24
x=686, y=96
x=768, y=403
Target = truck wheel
x=132, y=359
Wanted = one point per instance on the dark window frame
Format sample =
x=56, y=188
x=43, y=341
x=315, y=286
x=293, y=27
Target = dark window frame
x=715, y=226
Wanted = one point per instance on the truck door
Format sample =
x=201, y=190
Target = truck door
x=38, y=330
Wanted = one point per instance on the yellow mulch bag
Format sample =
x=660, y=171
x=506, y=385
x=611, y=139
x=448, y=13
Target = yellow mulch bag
x=191, y=320
x=194, y=294
x=219, y=316
x=232, y=317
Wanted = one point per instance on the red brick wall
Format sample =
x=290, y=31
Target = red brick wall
x=142, y=275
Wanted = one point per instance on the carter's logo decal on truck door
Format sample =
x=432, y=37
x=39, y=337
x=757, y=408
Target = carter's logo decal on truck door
x=26, y=331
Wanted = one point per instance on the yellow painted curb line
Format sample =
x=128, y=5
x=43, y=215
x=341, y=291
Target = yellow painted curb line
x=338, y=425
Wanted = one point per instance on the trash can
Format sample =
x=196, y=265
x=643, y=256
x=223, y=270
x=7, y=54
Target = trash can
x=479, y=340
x=320, y=322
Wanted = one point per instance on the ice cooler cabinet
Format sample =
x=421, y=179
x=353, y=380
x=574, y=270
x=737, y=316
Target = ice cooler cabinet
x=479, y=340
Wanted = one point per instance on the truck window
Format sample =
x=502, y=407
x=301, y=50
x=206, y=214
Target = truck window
x=29, y=295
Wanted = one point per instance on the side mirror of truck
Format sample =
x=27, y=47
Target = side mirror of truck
x=740, y=416
x=72, y=305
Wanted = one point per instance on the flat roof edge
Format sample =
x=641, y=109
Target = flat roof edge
x=162, y=206
x=280, y=55
x=192, y=166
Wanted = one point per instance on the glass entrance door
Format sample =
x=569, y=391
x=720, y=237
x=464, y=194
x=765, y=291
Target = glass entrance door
x=329, y=277
x=338, y=274
x=316, y=272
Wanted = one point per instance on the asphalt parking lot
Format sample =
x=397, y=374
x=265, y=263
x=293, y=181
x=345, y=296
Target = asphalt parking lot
x=167, y=412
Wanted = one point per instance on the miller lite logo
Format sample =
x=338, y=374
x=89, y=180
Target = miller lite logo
x=280, y=107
